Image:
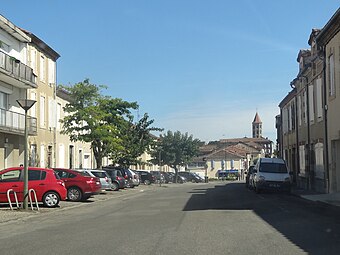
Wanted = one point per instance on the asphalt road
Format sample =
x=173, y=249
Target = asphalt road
x=214, y=218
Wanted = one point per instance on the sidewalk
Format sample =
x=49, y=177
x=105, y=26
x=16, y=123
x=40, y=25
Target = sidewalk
x=332, y=199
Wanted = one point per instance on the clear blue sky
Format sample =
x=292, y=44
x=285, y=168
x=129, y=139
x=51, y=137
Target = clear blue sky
x=198, y=66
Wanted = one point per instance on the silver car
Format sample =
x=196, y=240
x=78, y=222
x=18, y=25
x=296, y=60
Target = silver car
x=105, y=179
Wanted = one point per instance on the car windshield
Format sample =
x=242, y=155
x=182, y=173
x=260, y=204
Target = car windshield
x=273, y=168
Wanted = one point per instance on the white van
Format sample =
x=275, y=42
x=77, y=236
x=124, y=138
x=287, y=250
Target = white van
x=271, y=174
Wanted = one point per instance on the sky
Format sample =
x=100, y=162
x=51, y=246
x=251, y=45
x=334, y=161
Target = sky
x=197, y=66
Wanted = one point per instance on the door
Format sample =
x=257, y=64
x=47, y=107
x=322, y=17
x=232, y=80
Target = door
x=11, y=180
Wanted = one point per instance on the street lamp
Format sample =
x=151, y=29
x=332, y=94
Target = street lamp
x=26, y=104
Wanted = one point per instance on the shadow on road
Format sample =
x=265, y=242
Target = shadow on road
x=308, y=225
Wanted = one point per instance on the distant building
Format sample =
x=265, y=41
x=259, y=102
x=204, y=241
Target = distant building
x=257, y=126
x=231, y=154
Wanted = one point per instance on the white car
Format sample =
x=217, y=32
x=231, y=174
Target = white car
x=271, y=174
x=105, y=179
x=135, y=177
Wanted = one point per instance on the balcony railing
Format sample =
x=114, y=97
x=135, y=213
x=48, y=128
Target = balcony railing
x=15, y=68
x=13, y=122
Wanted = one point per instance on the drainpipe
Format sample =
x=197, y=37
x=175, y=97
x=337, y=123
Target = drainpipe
x=325, y=108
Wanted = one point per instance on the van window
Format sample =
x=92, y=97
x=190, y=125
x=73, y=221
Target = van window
x=273, y=168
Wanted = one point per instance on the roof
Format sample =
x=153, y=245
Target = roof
x=257, y=118
x=330, y=29
x=41, y=45
x=13, y=30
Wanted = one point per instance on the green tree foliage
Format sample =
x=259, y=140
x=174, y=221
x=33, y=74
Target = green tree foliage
x=95, y=119
x=175, y=150
x=136, y=139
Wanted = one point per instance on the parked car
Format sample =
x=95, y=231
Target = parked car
x=105, y=179
x=159, y=177
x=167, y=178
x=145, y=177
x=271, y=174
x=118, y=180
x=79, y=185
x=131, y=179
x=199, y=177
x=49, y=188
x=190, y=177
x=135, y=177
x=249, y=177
x=180, y=179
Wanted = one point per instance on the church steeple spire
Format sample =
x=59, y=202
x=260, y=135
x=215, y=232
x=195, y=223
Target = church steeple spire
x=257, y=126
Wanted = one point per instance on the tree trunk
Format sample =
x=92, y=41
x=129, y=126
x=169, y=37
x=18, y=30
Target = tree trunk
x=176, y=174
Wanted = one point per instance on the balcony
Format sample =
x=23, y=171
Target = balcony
x=14, y=123
x=13, y=72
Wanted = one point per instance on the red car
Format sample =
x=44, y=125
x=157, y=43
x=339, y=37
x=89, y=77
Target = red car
x=79, y=185
x=48, y=187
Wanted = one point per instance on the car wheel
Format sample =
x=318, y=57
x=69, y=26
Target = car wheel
x=51, y=199
x=147, y=182
x=74, y=194
x=115, y=186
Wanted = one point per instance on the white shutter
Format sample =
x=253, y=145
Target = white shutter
x=302, y=158
x=42, y=111
x=319, y=110
x=311, y=103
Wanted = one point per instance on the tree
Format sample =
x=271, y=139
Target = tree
x=136, y=139
x=175, y=150
x=95, y=119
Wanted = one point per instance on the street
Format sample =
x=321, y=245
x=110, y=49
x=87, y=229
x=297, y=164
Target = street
x=213, y=218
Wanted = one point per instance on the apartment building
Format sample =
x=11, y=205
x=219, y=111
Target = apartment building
x=42, y=59
x=69, y=154
x=16, y=77
x=308, y=125
x=329, y=42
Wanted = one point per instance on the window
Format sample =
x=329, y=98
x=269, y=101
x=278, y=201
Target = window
x=331, y=76
x=304, y=104
x=42, y=69
x=292, y=110
x=4, y=47
x=34, y=175
x=3, y=100
x=42, y=111
x=51, y=113
x=34, y=60
x=273, y=168
x=10, y=176
x=319, y=112
x=3, y=105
